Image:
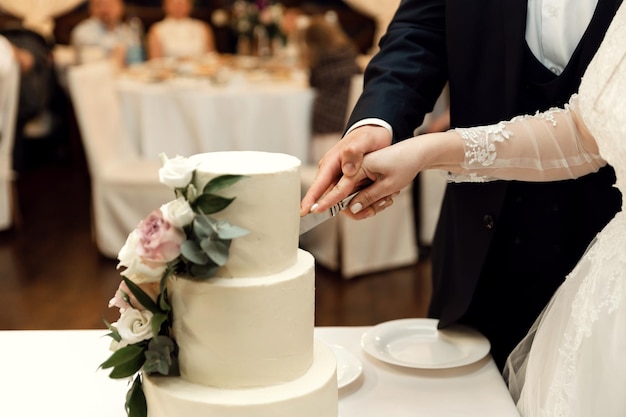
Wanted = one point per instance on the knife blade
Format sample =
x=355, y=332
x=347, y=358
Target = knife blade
x=311, y=220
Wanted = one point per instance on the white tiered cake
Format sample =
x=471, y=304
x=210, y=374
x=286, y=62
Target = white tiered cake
x=246, y=335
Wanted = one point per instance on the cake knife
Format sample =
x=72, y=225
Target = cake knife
x=311, y=220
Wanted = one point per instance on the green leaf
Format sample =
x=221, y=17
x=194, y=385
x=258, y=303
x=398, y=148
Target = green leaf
x=156, y=322
x=164, y=303
x=221, y=182
x=136, y=405
x=115, y=335
x=217, y=250
x=123, y=355
x=211, y=203
x=129, y=368
x=142, y=297
x=191, y=251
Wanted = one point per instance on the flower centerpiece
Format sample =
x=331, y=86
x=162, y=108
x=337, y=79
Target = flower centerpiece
x=253, y=20
x=178, y=240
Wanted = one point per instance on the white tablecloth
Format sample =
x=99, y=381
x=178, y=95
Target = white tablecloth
x=188, y=116
x=54, y=374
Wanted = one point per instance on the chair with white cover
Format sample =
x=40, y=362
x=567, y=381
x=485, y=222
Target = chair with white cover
x=125, y=188
x=9, y=95
x=358, y=247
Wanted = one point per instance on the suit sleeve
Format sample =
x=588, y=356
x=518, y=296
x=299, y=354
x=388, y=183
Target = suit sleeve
x=404, y=79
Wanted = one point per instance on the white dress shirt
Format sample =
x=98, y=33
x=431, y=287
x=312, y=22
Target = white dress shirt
x=554, y=29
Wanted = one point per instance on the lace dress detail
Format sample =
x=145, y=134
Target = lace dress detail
x=573, y=361
x=548, y=146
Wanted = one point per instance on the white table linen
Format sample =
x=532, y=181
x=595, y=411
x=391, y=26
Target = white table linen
x=185, y=116
x=54, y=373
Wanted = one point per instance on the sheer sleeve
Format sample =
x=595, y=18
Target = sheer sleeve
x=549, y=146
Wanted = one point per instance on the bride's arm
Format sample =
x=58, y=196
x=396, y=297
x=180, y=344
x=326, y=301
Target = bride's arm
x=549, y=146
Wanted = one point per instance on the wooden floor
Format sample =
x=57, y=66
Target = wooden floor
x=52, y=277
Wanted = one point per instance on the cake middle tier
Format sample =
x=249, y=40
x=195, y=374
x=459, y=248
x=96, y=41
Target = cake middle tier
x=246, y=332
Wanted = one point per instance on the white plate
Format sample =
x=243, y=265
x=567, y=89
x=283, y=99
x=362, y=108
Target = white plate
x=417, y=343
x=349, y=367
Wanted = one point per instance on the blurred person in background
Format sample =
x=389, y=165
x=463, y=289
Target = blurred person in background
x=103, y=34
x=178, y=34
x=330, y=57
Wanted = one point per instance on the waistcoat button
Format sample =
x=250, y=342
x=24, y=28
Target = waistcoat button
x=488, y=221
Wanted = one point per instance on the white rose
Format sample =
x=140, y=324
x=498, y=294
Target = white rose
x=176, y=172
x=133, y=327
x=178, y=212
x=141, y=273
x=129, y=251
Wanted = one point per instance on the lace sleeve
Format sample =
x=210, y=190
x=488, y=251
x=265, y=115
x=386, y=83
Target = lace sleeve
x=548, y=146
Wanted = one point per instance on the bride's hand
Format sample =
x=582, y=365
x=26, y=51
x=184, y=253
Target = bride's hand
x=386, y=171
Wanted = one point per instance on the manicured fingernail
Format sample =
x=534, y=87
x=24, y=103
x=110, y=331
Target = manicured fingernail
x=349, y=169
x=382, y=203
x=313, y=207
x=355, y=208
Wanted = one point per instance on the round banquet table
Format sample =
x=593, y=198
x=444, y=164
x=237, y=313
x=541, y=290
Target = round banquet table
x=185, y=115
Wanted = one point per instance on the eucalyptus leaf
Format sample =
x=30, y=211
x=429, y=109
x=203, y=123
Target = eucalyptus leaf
x=156, y=363
x=221, y=182
x=162, y=343
x=204, y=227
x=136, y=405
x=200, y=272
x=217, y=250
x=228, y=231
x=211, y=203
x=191, y=251
x=142, y=297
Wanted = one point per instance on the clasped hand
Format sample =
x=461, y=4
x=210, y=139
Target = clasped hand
x=363, y=160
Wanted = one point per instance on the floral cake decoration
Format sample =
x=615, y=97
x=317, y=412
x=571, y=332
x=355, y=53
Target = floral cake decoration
x=180, y=240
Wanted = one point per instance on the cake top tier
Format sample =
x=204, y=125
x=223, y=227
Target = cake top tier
x=245, y=162
x=267, y=204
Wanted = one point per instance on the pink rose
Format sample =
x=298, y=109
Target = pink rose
x=124, y=299
x=159, y=240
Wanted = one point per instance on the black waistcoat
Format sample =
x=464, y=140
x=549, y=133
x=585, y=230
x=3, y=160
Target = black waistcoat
x=541, y=88
x=506, y=246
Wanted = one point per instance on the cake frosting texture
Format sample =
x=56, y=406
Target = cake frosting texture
x=245, y=336
x=266, y=203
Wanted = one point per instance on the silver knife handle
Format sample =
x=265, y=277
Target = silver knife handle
x=334, y=210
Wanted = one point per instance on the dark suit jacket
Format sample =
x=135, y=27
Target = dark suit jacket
x=501, y=234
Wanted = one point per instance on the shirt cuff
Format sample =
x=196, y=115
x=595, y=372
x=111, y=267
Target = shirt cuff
x=371, y=121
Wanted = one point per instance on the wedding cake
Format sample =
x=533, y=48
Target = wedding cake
x=245, y=336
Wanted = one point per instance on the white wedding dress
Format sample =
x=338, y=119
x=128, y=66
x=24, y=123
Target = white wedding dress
x=572, y=363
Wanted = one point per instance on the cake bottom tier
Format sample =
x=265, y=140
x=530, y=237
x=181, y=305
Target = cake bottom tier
x=314, y=394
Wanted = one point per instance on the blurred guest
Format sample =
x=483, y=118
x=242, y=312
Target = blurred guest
x=178, y=34
x=38, y=110
x=331, y=59
x=103, y=34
